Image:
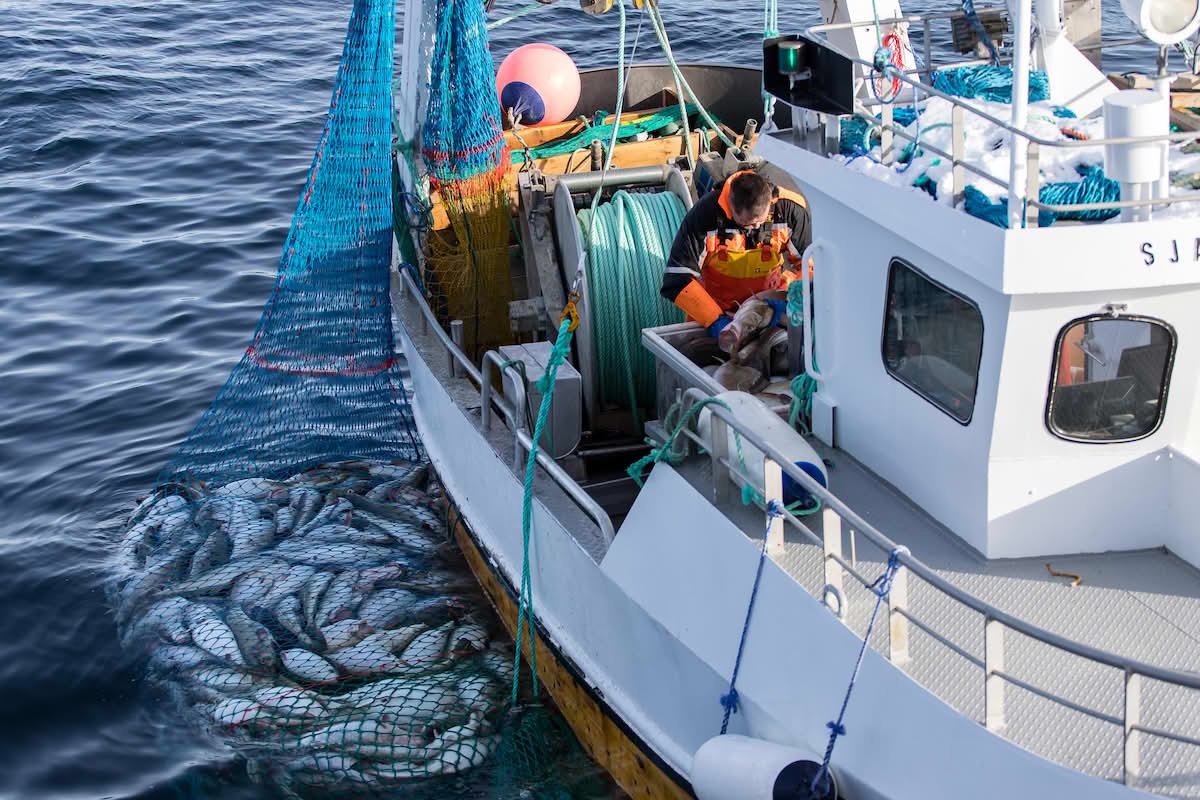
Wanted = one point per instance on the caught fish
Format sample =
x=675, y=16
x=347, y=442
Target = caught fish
x=178, y=658
x=751, y=316
x=165, y=618
x=288, y=614
x=304, y=502
x=224, y=679
x=288, y=702
x=292, y=581
x=211, y=634
x=340, y=599
x=221, y=578
x=254, y=641
x=741, y=378
x=309, y=667
x=250, y=488
x=346, y=633
x=310, y=597
x=211, y=554
x=460, y=755
x=387, y=608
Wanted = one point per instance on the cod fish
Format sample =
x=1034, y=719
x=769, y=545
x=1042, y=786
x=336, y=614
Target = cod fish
x=751, y=317
x=254, y=641
x=740, y=378
x=211, y=634
x=308, y=667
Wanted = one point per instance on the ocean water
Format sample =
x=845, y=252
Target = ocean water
x=151, y=155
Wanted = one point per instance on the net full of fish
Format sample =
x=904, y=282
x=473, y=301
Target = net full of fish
x=307, y=622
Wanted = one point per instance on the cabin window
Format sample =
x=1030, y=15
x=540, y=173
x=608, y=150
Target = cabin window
x=932, y=340
x=1110, y=378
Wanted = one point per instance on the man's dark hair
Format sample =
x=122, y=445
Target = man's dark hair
x=750, y=193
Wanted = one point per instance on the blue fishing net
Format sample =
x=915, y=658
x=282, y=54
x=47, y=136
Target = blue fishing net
x=320, y=380
x=462, y=136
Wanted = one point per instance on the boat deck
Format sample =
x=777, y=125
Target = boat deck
x=1144, y=605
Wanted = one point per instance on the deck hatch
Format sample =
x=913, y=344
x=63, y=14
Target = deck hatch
x=1110, y=378
x=932, y=340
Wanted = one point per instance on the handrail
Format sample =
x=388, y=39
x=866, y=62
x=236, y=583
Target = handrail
x=1188, y=679
x=814, y=33
x=565, y=482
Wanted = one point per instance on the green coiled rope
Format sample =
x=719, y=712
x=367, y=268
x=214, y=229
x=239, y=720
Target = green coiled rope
x=627, y=241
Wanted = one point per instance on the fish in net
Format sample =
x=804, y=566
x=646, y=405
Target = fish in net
x=290, y=578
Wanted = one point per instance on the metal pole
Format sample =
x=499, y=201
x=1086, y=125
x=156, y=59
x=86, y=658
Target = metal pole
x=718, y=449
x=885, y=136
x=957, y=149
x=928, y=52
x=1020, y=113
x=1133, y=717
x=831, y=537
x=1033, y=181
x=457, y=336
x=897, y=602
x=773, y=490
x=993, y=662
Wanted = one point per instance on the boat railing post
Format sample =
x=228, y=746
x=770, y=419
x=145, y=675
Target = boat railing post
x=1133, y=717
x=928, y=51
x=718, y=450
x=1032, y=185
x=485, y=394
x=898, y=633
x=957, y=151
x=456, y=335
x=773, y=492
x=831, y=538
x=518, y=404
x=993, y=684
x=885, y=135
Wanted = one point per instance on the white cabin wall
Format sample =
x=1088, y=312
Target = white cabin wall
x=1047, y=495
x=938, y=462
x=1183, y=509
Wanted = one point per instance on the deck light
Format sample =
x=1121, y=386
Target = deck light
x=1164, y=21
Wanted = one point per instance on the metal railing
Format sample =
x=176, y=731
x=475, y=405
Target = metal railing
x=957, y=158
x=996, y=623
x=522, y=442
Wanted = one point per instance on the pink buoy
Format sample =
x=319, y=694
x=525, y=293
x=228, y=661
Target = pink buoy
x=539, y=82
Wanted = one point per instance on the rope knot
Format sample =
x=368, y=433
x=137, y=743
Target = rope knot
x=774, y=509
x=730, y=701
x=837, y=728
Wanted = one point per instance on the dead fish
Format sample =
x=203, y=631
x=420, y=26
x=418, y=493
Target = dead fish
x=288, y=702
x=757, y=352
x=340, y=599
x=254, y=641
x=346, y=633
x=210, y=633
x=211, y=554
x=413, y=474
x=176, y=658
x=221, y=578
x=751, y=317
x=250, y=488
x=738, y=377
x=289, y=583
x=387, y=608
x=289, y=616
x=164, y=618
x=304, y=502
x=309, y=667
x=310, y=597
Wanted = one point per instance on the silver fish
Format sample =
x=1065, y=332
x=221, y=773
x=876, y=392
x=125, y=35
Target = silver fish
x=253, y=640
x=310, y=597
x=224, y=679
x=336, y=554
x=469, y=636
x=178, y=657
x=250, y=488
x=459, y=755
x=348, y=733
x=387, y=608
x=250, y=536
x=426, y=652
x=413, y=474
x=221, y=578
x=283, y=520
x=340, y=599
x=166, y=619
x=334, y=505
x=389, y=511
x=210, y=633
x=288, y=702
x=310, y=668
x=346, y=633
x=290, y=582
x=287, y=613
x=304, y=504
x=211, y=554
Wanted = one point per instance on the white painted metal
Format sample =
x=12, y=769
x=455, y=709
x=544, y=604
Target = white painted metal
x=863, y=41
x=734, y=767
x=1020, y=112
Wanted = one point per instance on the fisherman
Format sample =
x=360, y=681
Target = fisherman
x=734, y=243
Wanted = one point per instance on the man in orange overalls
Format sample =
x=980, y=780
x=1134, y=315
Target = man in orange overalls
x=733, y=243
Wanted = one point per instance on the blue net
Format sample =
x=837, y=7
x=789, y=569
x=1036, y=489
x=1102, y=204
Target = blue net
x=462, y=136
x=320, y=380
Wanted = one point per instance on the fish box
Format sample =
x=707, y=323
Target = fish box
x=564, y=426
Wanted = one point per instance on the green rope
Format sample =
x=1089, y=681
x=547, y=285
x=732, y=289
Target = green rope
x=660, y=31
x=582, y=140
x=562, y=346
x=529, y=9
x=627, y=241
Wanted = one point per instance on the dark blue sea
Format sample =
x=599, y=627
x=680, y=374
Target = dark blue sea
x=151, y=156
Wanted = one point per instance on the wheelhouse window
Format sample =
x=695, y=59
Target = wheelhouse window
x=1110, y=378
x=932, y=340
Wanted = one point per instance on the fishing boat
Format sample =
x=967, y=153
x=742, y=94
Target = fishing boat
x=952, y=550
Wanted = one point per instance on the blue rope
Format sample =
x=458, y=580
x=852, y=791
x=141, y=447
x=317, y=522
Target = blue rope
x=881, y=587
x=730, y=700
x=989, y=82
x=1093, y=188
x=968, y=6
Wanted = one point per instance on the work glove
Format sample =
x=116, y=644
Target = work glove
x=780, y=308
x=718, y=325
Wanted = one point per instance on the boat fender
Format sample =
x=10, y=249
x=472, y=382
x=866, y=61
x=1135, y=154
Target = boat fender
x=733, y=767
x=755, y=415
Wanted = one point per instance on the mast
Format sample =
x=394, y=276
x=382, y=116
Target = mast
x=1020, y=113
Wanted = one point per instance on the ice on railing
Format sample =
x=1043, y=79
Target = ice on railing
x=987, y=147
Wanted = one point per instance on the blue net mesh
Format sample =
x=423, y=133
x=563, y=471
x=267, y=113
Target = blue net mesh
x=320, y=380
x=462, y=136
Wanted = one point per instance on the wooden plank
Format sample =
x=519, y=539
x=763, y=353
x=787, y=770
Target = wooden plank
x=608, y=745
x=626, y=154
x=1185, y=90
